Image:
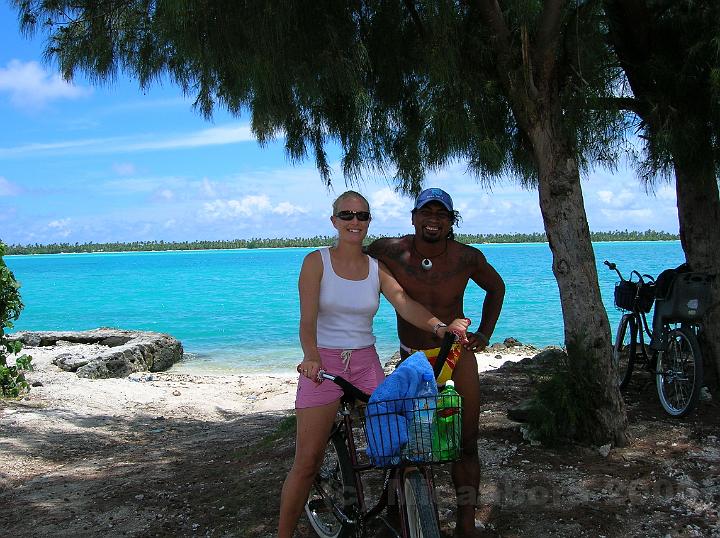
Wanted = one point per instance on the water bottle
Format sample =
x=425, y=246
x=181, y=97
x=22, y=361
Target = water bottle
x=447, y=432
x=420, y=427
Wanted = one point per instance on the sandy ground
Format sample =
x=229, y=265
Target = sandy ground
x=167, y=394
x=189, y=455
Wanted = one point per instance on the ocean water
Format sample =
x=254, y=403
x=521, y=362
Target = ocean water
x=238, y=310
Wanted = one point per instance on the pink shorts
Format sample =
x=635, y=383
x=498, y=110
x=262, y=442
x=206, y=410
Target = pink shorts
x=362, y=369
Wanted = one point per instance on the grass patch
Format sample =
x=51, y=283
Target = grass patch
x=285, y=429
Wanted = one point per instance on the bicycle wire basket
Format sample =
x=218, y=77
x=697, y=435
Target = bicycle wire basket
x=634, y=296
x=395, y=435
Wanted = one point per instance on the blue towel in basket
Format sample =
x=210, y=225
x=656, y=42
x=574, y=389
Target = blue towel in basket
x=386, y=415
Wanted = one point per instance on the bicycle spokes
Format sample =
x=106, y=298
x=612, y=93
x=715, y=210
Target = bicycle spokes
x=679, y=371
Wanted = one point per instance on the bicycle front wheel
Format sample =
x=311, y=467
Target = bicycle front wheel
x=332, y=502
x=420, y=509
x=624, y=349
x=679, y=372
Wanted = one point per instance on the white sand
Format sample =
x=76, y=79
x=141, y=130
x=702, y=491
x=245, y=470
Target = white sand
x=174, y=394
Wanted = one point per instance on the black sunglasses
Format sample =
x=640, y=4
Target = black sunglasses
x=348, y=215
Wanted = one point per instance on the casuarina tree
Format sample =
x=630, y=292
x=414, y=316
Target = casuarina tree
x=403, y=87
x=669, y=52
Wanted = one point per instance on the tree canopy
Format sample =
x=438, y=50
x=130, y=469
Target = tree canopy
x=405, y=87
x=670, y=53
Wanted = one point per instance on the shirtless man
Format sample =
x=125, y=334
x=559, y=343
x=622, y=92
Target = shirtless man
x=434, y=269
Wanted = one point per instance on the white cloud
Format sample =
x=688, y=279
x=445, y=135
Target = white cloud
x=166, y=195
x=618, y=199
x=666, y=193
x=215, y=136
x=60, y=227
x=29, y=84
x=207, y=137
x=287, y=209
x=7, y=188
x=633, y=215
x=386, y=204
x=230, y=209
x=207, y=188
x=67, y=147
x=135, y=185
x=253, y=206
x=59, y=223
x=124, y=169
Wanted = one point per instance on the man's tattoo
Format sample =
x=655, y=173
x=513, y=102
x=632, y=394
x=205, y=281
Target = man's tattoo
x=386, y=249
x=395, y=253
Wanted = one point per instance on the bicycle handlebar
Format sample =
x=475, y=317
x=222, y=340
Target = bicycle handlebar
x=348, y=388
x=445, y=347
x=642, y=279
x=613, y=267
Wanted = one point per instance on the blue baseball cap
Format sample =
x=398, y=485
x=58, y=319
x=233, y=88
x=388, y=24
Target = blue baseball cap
x=434, y=195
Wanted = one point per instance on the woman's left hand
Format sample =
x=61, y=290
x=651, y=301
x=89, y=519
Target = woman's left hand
x=309, y=368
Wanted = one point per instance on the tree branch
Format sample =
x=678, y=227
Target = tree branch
x=415, y=16
x=491, y=14
x=548, y=35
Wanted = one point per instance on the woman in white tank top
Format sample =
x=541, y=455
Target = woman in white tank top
x=339, y=295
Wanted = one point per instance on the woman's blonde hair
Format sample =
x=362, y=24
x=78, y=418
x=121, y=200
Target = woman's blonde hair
x=349, y=194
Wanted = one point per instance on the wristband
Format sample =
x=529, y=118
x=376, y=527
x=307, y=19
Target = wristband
x=482, y=337
x=437, y=326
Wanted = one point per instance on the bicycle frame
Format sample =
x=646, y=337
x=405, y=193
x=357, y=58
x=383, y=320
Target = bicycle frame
x=643, y=329
x=411, y=482
x=391, y=480
x=641, y=325
x=676, y=360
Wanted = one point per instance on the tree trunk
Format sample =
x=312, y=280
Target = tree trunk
x=528, y=74
x=585, y=318
x=634, y=28
x=698, y=203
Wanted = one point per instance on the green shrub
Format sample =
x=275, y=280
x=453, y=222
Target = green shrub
x=564, y=404
x=12, y=379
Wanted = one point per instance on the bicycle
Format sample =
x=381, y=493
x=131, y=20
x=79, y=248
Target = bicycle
x=337, y=505
x=672, y=353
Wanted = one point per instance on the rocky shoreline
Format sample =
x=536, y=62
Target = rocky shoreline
x=105, y=352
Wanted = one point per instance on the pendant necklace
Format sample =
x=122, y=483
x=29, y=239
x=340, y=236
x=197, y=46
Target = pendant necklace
x=426, y=262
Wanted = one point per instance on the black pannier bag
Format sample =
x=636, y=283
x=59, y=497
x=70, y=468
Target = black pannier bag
x=665, y=279
x=682, y=295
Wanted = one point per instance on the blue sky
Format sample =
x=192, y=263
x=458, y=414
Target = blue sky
x=83, y=163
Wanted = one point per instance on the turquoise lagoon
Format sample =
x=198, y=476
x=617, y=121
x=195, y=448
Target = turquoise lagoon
x=238, y=310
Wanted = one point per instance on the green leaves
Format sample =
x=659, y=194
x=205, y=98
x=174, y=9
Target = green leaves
x=13, y=347
x=12, y=380
x=24, y=362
